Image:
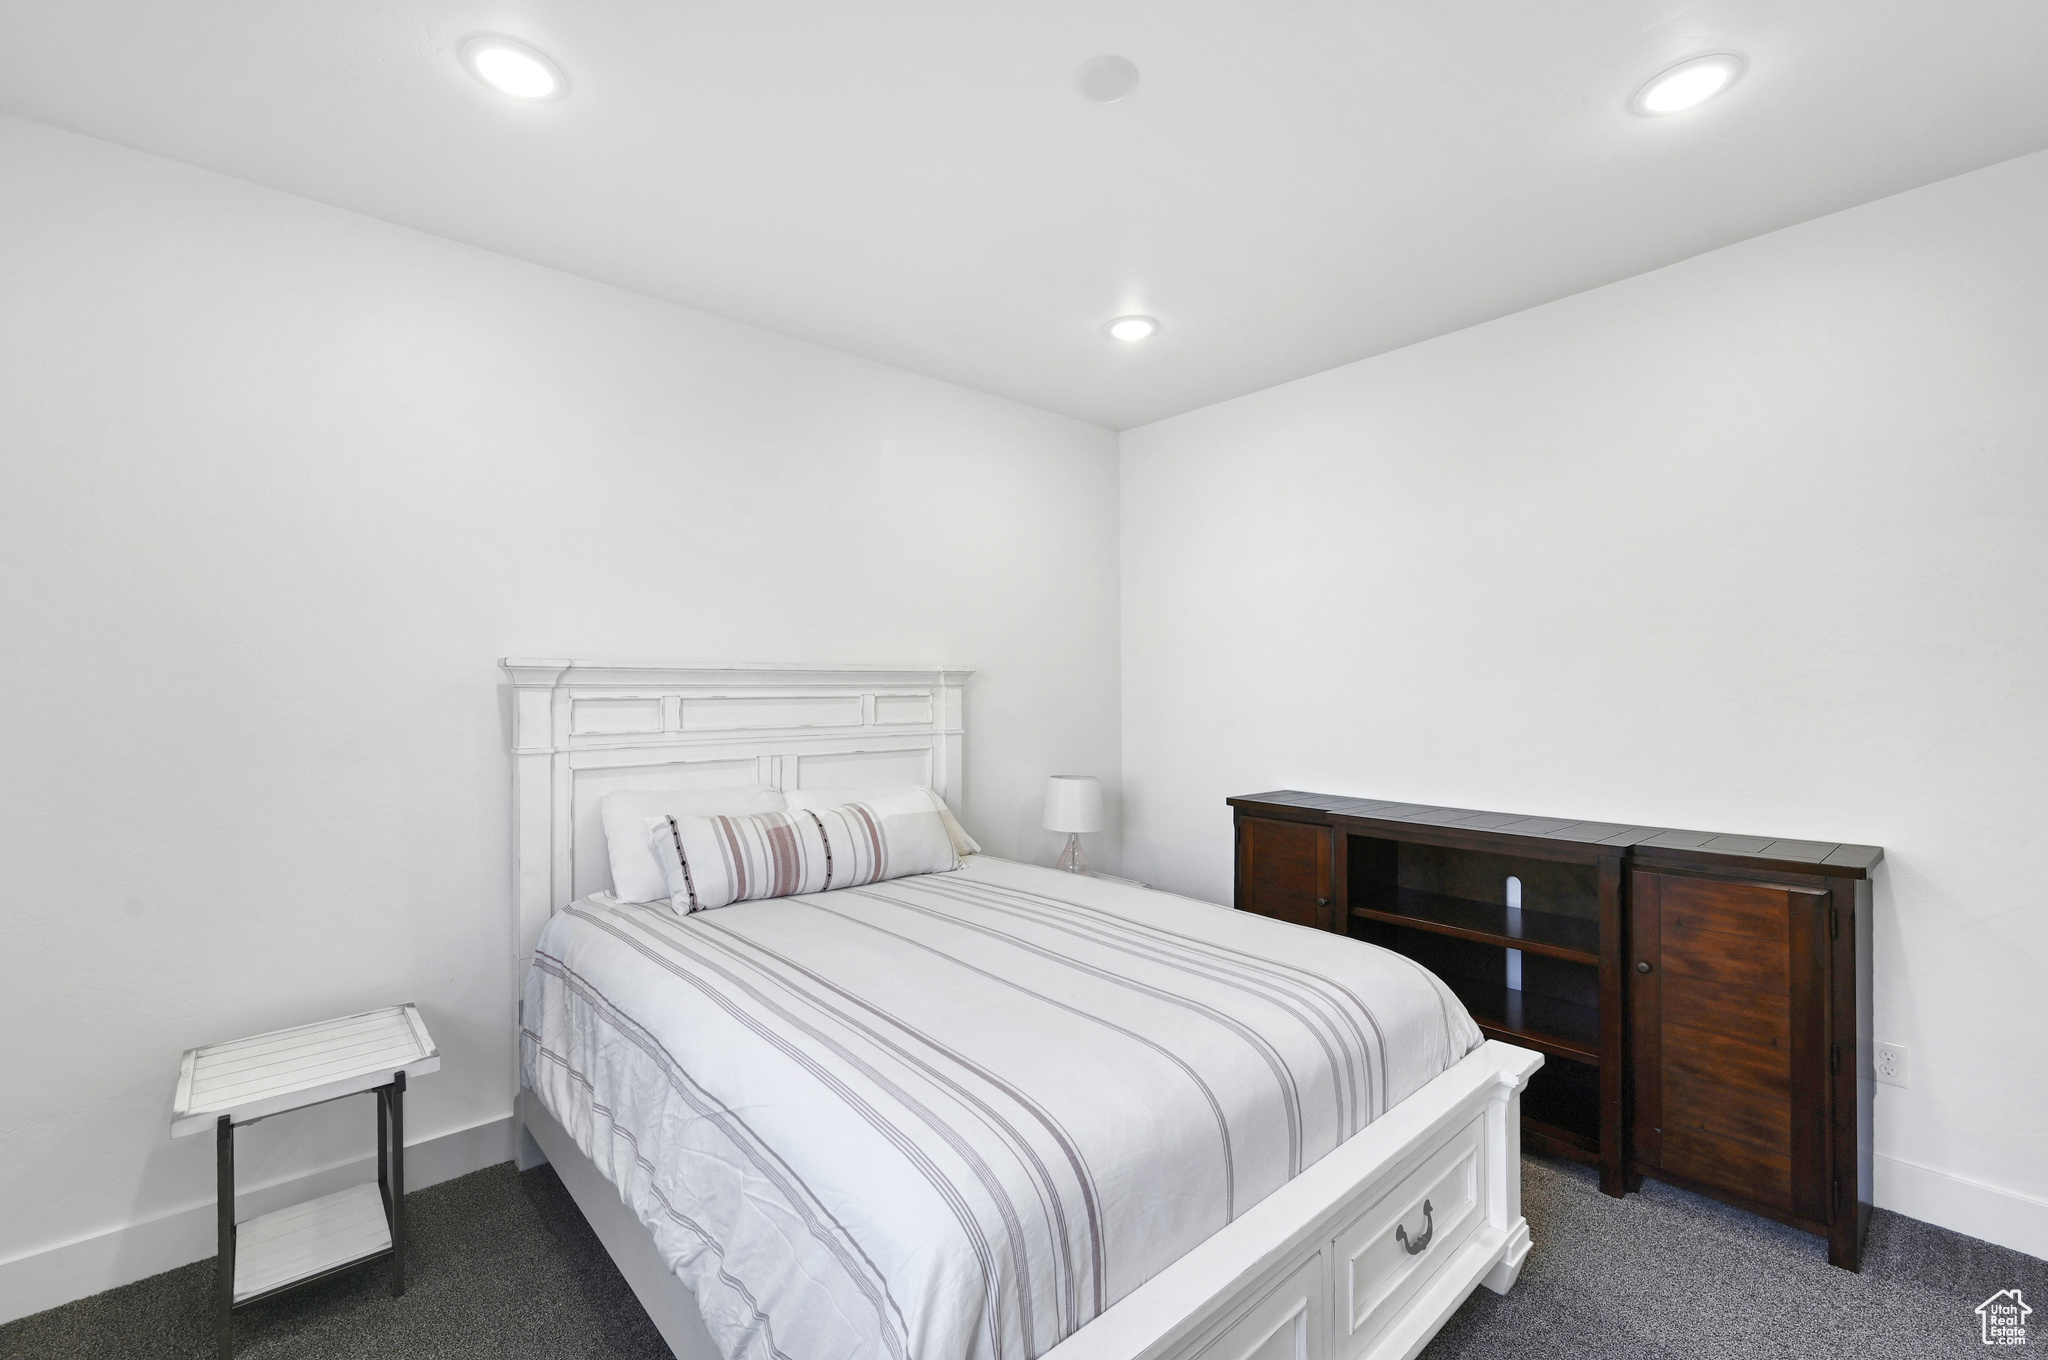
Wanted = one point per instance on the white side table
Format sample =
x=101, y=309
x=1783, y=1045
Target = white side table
x=227, y=1085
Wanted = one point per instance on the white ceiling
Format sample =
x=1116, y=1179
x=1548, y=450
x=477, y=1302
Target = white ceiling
x=1295, y=184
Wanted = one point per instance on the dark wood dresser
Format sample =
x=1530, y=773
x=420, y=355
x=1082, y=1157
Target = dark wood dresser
x=1704, y=999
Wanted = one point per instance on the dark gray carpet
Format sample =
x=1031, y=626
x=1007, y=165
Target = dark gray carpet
x=504, y=1267
x=500, y=1266
x=1665, y=1274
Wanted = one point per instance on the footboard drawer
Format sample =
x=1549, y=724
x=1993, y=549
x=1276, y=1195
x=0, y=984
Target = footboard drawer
x=1389, y=1252
x=1287, y=1323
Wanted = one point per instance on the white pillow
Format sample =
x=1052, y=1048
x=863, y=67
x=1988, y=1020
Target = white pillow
x=636, y=874
x=891, y=800
x=715, y=861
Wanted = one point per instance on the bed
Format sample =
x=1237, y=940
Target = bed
x=997, y=1112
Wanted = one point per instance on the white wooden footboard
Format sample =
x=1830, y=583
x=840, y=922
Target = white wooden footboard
x=1365, y=1254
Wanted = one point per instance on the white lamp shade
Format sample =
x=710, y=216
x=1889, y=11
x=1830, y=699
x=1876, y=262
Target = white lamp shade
x=1073, y=802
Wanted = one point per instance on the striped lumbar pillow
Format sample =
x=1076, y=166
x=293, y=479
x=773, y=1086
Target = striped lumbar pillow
x=714, y=861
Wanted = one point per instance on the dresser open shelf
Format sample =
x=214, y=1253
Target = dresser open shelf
x=1539, y=932
x=1545, y=974
x=1548, y=1024
x=1530, y=975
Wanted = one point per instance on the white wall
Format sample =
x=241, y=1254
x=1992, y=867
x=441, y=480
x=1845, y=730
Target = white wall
x=278, y=485
x=1753, y=543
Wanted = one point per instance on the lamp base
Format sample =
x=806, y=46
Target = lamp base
x=1073, y=859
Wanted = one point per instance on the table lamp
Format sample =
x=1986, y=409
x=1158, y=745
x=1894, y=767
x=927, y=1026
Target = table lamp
x=1073, y=804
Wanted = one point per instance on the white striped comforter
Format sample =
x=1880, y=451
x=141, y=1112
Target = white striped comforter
x=959, y=1114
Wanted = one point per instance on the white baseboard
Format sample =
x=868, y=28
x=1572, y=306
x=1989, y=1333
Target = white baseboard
x=2005, y=1217
x=73, y=1270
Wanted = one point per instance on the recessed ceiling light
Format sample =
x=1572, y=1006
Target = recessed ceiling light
x=1688, y=83
x=1134, y=328
x=513, y=68
x=1106, y=79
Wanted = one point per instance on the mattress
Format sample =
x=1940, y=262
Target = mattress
x=958, y=1115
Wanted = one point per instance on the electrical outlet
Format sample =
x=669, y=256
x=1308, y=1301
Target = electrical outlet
x=1888, y=1064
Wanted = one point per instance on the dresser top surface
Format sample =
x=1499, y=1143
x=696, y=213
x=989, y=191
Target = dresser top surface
x=1647, y=844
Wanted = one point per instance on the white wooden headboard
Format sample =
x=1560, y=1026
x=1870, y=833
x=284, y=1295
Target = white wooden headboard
x=581, y=729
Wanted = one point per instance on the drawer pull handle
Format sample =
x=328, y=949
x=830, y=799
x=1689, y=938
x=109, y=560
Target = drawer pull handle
x=1421, y=1243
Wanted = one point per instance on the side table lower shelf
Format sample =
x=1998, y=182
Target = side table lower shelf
x=306, y=1241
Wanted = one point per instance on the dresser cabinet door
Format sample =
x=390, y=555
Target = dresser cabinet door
x=1728, y=1003
x=1283, y=870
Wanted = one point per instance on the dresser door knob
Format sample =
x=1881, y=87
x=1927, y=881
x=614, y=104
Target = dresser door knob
x=1322, y=901
x=1643, y=966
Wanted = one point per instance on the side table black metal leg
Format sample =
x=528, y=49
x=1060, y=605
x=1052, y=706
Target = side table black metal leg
x=398, y=1185
x=224, y=1265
